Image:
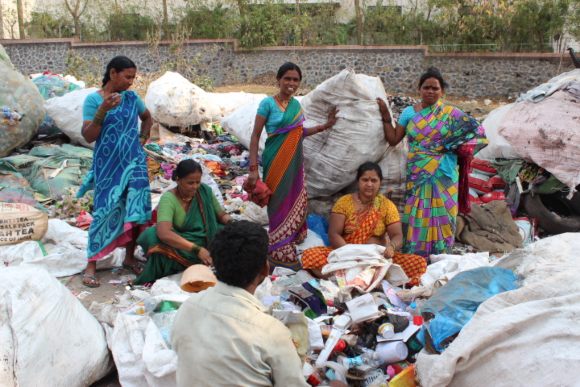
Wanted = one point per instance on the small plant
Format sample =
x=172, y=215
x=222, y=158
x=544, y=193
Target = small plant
x=70, y=206
x=87, y=70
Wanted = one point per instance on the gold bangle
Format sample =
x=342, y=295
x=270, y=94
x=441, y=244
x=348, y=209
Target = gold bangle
x=99, y=117
x=195, y=248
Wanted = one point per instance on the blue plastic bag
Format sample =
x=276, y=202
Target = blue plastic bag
x=454, y=304
x=319, y=225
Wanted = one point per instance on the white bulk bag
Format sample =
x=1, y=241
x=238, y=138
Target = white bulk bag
x=47, y=336
x=67, y=113
x=332, y=157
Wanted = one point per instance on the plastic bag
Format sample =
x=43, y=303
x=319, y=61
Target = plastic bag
x=454, y=304
x=319, y=225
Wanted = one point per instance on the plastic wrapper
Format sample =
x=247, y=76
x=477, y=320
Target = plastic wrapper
x=456, y=303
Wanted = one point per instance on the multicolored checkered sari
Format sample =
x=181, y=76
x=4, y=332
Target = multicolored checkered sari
x=434, y=135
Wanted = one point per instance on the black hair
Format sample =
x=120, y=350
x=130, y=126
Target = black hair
x=184, y=168
x=433, y=72
x=287, y=67
x=239, y=252
x=119, y=63
x=369, y=166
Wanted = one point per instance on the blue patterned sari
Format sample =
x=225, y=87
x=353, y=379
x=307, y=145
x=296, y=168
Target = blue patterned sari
x=122, y=199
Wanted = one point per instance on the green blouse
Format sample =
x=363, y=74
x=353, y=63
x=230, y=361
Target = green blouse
x=170, y=209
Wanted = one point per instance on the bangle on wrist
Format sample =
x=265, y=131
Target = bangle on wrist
x=195, y=248
x=253, y=167
x=99, y=117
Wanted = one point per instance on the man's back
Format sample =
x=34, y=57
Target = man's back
x=222, y=337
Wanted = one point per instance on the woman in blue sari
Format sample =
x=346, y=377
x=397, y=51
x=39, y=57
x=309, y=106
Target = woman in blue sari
x=122, y=202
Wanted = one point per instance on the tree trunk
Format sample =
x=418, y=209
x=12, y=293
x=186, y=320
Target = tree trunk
x=20, y=11
x=1, y=21
x=165, y=20
x=242, y=10
x=359, y=22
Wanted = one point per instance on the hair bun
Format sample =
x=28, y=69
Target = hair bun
x=174, y=175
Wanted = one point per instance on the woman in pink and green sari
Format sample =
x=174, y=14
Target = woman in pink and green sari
x=442, y=140
x=283, y=169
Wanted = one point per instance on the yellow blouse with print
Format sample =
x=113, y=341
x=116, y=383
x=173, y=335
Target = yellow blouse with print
x=387, y=209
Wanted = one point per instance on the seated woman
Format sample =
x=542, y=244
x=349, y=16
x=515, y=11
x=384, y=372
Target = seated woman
x=188, y=217
x=366, y=217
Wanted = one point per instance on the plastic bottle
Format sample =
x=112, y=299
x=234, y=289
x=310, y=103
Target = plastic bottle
x=368, y=358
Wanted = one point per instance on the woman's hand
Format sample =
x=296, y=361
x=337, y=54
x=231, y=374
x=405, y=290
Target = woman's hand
x=250, y=183
x=389, y=251
x=205, y=256
x=110, y=101
x=385, y=114
x=331, y=119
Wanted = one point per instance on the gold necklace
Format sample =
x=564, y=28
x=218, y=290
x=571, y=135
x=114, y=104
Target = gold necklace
x=363, y=203
x=187, y=201
x=282, y=102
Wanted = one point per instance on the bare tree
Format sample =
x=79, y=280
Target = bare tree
x=20, y=10
x=11, y=20
x=76, y=8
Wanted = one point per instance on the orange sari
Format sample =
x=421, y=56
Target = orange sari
x=413, y=265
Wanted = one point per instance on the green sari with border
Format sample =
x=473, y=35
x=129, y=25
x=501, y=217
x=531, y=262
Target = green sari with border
x=199, y=227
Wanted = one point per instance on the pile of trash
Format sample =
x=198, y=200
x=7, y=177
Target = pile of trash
x=534, y=149
x=364, y=325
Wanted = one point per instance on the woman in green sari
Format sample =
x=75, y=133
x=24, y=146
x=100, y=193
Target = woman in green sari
x=188, y=217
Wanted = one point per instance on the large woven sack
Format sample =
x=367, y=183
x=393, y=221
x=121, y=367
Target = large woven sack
x=21, y=222
x=48, y=337
x=332, y=157
x=21, y=107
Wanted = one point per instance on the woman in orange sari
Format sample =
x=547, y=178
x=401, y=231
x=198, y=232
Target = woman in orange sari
x=283, y=169
x=366, y=217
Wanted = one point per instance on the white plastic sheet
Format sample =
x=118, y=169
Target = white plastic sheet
x=65, y=251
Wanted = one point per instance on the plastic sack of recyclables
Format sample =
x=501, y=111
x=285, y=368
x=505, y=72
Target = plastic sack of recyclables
x=21, y=108
x=454, y=305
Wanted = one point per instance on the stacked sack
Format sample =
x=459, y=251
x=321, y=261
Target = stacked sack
x=485, y=185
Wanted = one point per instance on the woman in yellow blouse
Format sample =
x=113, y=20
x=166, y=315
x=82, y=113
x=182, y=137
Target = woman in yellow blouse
x=366, y=217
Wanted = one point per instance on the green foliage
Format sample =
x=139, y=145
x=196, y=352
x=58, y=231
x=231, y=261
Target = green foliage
x=445, y=25
x=210, y=23
x=129, y=26
x=45, y=25
x=90, y=71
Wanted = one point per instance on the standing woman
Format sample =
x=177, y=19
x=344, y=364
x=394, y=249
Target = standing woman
x=283, y=167
x=440, y=137
x=122, y=201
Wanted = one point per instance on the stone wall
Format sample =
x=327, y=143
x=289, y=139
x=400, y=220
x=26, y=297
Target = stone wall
x=470, y=75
